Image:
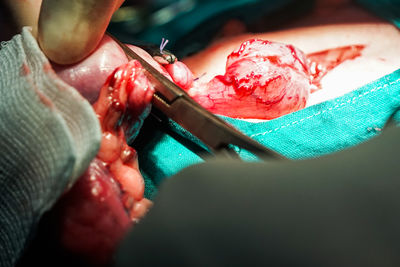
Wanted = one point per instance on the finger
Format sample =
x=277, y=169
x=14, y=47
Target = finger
x=68, y=31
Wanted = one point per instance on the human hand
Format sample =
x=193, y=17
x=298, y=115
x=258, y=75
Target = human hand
x=67, y=31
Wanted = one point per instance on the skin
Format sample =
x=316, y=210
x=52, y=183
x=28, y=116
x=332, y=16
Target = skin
x=72, y=40
x=67, y=31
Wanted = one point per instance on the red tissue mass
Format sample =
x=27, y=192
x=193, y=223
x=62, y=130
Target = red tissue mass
x=263, y=80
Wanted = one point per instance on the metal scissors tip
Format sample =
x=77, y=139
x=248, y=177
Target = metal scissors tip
x=177, y=105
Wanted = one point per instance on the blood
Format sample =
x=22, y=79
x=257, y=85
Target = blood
x=25, y=70
x=265, y=80
x=322, y=62
x=106, y=201
x=44, y=99
x=282, y=87
x=262, y=80
x=91, y=216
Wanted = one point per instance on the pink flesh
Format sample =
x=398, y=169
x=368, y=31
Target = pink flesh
x=265, y=80
x=105, y=201
x=92, y=217
x=180, y=74
x=90, y=74
x=126, y=91
x=283, y=90
x=262, y=80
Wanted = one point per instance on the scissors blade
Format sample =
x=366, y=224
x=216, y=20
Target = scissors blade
x=210, y=129
x=164, y=86
x=176, y=104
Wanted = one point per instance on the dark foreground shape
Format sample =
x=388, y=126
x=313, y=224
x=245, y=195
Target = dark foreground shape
x=339, y=210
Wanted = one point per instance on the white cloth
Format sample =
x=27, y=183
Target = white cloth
x=48, y=135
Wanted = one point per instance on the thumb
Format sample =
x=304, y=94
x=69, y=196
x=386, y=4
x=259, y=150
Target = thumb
x=68, y=31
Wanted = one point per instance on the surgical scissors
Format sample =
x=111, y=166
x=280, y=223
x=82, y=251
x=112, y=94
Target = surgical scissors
x=177, y=105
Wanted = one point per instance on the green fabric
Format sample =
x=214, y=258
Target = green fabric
x=318, y=130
